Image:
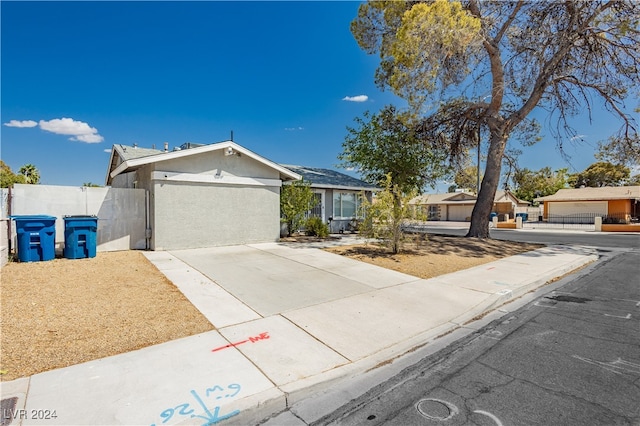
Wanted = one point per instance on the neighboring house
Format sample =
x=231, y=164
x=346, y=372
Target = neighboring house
x=338, y=195
x=203, y=195
x=457, y=206
x=619, y=202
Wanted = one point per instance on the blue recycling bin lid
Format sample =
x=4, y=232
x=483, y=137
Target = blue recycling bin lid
x=80, y=221
x=32, y=217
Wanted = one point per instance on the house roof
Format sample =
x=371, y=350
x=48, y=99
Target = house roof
x=326, y=178
x=506, y=194
x=447, y=198
x=595, y=194
x=461, y=198
x=128, y=158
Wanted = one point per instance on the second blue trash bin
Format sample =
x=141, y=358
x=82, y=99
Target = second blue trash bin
x=80, y=236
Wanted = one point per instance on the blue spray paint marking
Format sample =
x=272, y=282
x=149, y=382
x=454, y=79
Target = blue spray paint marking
x=211, y=416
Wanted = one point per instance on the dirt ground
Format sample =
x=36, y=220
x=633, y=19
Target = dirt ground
x=63, y=312
x=428, y=256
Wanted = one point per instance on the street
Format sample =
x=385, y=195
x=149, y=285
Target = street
x=569, y=357
x=595, y=239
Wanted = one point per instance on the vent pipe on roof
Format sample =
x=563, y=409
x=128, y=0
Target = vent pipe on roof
x=135, y=145
x=166, y=147
x=231, y=136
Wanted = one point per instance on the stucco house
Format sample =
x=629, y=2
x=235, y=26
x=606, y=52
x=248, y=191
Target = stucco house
x=457, y=206
x=338, y=195
x=203, y=195
x=617, y=202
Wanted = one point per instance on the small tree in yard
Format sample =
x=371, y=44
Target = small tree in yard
x=384, y=216
x=296, y=199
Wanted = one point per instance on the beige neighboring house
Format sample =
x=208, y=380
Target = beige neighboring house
x=622, y=202
x=457, y=206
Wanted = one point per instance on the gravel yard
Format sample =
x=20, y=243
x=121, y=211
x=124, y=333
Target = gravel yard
x=63, y=312
x=428, y=256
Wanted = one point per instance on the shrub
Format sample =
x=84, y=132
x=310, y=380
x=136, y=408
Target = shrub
x=316, y=227
x=296, y=198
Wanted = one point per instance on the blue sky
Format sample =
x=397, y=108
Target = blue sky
x=286, y=77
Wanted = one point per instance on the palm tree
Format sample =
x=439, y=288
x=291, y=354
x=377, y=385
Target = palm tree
x=30, y=173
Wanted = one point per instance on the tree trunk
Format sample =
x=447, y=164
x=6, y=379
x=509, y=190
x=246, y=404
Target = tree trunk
x=479, y=227
x=396, y=220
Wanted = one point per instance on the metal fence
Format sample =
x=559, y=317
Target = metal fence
x=583, y=221
x=620, y=218
x=573, y=219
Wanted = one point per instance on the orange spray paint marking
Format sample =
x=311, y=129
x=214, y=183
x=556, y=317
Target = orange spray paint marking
x=259, y=337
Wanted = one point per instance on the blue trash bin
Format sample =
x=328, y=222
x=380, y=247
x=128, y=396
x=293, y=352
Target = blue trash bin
x=36, y=237
x=524, y=216
x=80, y=236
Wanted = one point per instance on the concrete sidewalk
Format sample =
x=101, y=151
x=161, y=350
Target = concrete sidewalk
x=291, y=320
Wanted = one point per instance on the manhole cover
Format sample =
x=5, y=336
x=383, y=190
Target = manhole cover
x=573, y=299
x=436, y=409
x=8, y=409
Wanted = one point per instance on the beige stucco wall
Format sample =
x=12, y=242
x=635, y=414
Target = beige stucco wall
x=192, y=215
x=207, y=214
x=214, y=162
x=4, y=242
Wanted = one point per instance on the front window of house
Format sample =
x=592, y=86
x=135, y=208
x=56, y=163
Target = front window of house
x=434, y=212
x=316, y=210
x=346, y=205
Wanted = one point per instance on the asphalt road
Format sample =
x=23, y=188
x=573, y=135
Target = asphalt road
x=570, y=357
x=595, y=239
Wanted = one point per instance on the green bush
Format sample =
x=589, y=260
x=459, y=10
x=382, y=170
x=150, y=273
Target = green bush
x=316, y=227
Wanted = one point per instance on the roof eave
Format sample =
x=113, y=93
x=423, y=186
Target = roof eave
x=344, y=187
x=285, y=174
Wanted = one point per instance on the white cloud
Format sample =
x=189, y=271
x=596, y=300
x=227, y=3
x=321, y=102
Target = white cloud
x=91, y=138
x=578, y=137
x=359, y=98
x=292, y=129
x=80, y=130
x=23, y=123
x=108, y=151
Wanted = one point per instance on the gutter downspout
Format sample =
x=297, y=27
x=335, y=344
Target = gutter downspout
x=9, y=213
x=147, y=228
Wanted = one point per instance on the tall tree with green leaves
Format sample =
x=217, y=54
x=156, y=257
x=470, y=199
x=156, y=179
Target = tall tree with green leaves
x=296, y=198
x=600, y=174
x=466, y=178
x=386, y=148
x=30, y=173
x=7, y=177
x=531, y=184
x=479, y=68
x=618, y=150
x=388, y=144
